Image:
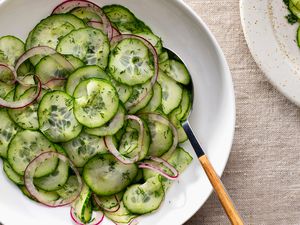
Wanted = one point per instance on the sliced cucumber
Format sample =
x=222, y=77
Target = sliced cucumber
x=5, y=89
x=12, y=175
x=180, y=159
x=143, y=92
x=105, y=175
x=82, y=206
x=155, y=101
x=153, y=39
x=88, y=44
x=76, y=63
x=111, y=127
x=161, y=138
x=118, y=14
x=24, y=147
x=49, y=67
x=183, y=108
x=110, y=202
x=84, y=147
x=11, y=48
x=144, y=198
x=82, y=74
x=294, y=9
x=57, y=179
x=130, y=62
x=124, y=91
x=50, y=30
x=86, y=14
x=179, y=72
x=122, y=215
x=56, y=118
x=96, y=102
x=171, y=93
x=70, y=187
x=8, y=129
x=26, y=117
x=182, y=137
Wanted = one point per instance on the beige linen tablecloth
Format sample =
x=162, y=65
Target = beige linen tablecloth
x=263, y=172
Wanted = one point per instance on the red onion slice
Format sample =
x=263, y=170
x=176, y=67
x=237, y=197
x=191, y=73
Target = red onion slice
x=23, y=102
x=149, y=165
x=12, y=71
x=113, y=150
x=99, y=25
x=159, y=118
x=29, y=175
x=43, y=50
x=114, y=209
x=71, y=4
x=151, y=48
x=95, y=221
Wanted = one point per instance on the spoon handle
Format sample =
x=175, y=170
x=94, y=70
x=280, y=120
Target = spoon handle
x=214, y=179
x=221, y=192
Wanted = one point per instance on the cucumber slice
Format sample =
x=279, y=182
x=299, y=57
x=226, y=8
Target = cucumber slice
x=88, y=44
x=180, y=159
x=49, y=67
x=24, y=147
x=8, y=129
x=11, y=48
x=56, y=118
x=57, y=179
x=121, y=216
x=171, y=93
x=82, y=74
x=153, y=39
x=161, y=138
x=118, y=14
x=139, y=92
x=155, y=101
x=111, y=201
x=298, y=36
x=26, y=117
x=183, y=108
x=76, y=63
x=111, y=127
x=84, y=147
x=82, y=206
x=182, y=137
x=48, y=196
x=295, y=10
x=96, y=102
x=12, y=175
x=105, y=175
x=5, y=89
x=69, y=188
x=50, y=30
x=124, y=91
x=179, y=72
x=144, y=198
x=86, y=14
x=130, y=62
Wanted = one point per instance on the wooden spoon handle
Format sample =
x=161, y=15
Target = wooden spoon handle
x=221, y=192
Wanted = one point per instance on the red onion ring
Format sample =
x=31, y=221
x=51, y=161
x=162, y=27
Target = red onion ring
x=68, y=5
x=151, y=48
x=29, y=174
x=159, y=118
x=24, y=102
x=114, y=209
x=99, y=25
x=113, y=150
x=149, y=165
x=11, y=69
x=95, y=221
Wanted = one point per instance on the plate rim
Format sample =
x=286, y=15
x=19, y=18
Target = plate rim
x=284, y=90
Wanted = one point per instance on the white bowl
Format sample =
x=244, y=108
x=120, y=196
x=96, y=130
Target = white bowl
x=213, y=117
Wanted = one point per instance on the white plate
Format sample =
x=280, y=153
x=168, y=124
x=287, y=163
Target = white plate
x=272, y=42
x=213, y=117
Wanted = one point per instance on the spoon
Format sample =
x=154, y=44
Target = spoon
x=214, y=179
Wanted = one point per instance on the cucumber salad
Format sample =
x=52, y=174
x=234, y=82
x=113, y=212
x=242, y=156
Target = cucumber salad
x=91, y=112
